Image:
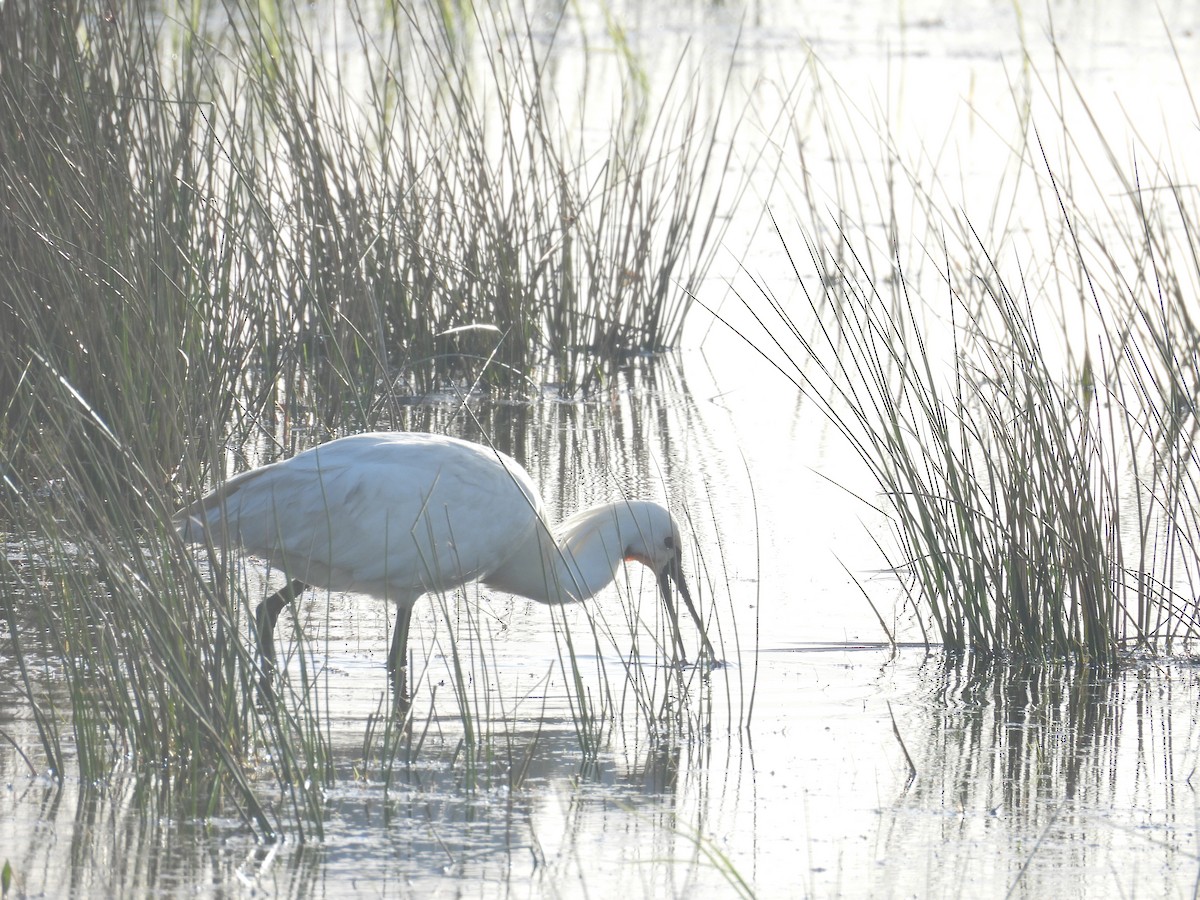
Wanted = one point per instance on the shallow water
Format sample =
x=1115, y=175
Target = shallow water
x=1026, y=783
x=789, y=774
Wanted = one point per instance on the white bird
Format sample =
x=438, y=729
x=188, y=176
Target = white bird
x=398, y=515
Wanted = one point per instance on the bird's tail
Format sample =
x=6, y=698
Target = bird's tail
x=205, y=519
x=202, y=521
x=192, y=523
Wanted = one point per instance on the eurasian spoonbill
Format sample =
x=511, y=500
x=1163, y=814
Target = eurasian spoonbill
x=398, y=515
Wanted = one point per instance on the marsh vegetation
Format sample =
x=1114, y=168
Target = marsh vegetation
x=220, y=246
x=232, y=233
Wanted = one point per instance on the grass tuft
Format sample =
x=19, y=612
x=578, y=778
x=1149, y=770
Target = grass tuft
x=1028, y=415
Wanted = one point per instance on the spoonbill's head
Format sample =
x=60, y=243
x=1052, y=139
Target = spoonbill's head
x=655, y=541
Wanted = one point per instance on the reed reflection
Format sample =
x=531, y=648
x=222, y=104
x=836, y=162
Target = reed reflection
x=527, y=809
x=1052, y=767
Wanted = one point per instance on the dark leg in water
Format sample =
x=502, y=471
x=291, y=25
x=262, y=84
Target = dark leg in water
x=398, y=656
x=265, y=617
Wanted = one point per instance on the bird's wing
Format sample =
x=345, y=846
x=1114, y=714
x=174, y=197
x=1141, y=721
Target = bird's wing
x=380, y=514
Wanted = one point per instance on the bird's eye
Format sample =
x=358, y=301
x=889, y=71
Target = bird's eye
x=669, y=542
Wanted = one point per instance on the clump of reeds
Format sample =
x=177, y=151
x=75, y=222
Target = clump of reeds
x=1030, y=426
x=991, y=472
x=210, y=221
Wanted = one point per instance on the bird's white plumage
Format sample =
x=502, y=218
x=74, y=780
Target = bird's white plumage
x=391, y=514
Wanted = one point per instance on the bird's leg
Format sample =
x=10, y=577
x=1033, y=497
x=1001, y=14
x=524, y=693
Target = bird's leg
x=397, y=663
x=265, y=617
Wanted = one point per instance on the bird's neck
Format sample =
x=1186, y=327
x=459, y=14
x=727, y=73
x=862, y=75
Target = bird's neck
x=576, y=565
